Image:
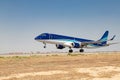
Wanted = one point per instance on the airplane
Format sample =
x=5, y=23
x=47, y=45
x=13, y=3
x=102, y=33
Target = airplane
x=62, y=41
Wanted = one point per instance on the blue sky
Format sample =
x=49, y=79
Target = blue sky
x=22, y=20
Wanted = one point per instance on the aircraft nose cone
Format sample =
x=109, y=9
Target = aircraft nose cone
x=36, y=38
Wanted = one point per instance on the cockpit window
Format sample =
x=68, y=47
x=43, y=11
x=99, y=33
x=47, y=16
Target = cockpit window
x=43, y=34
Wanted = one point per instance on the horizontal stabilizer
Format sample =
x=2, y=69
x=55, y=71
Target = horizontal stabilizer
x=113, y=43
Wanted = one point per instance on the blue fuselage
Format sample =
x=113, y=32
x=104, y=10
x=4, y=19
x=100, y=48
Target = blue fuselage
x=61, y=39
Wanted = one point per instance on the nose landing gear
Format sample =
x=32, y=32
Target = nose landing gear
x=44, y=45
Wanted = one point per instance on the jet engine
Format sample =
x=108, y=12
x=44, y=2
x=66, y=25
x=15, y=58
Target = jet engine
x=76, y=45
x=73, y=44
x=60, y=46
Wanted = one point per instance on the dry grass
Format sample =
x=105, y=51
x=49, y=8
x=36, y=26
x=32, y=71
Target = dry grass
x=28, y=64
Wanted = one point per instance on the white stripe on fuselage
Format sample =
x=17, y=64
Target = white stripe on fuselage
x=53, y=41
x=62, y=42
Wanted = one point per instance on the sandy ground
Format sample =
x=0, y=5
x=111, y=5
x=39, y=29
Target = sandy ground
x=99, y=73
x=93, y=71
x=61, y=67
x=21, y=75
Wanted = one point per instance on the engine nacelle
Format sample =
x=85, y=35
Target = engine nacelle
x=60, y=46
x=73, y=44
x=76, y=45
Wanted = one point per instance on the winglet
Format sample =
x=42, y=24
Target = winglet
x=113, y=37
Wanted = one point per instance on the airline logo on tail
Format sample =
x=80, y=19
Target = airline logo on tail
x=62, y=41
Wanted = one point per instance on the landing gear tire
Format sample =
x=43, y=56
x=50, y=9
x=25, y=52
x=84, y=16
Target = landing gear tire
x=44, y=46
x=70, y=51
x=81, y=50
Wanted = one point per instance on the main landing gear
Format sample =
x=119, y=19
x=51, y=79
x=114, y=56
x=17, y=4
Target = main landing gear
x=81, y=50
x=70, y=51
